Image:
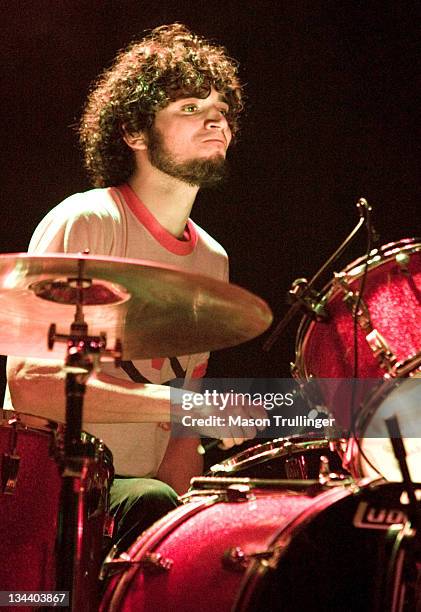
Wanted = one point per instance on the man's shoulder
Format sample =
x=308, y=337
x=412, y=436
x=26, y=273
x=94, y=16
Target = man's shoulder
x=95, y=202
x=206, y=240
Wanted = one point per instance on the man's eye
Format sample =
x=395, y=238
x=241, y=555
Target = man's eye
x=190, y=108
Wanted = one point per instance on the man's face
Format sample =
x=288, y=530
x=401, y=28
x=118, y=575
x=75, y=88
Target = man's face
x=189, y=139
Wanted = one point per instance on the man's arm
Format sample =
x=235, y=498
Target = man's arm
x=180, y=463
x=37, y=384
x=37, y=387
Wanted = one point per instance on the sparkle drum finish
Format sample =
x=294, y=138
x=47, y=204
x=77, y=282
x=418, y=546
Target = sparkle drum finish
x=392, y=295
x=30, y=456
x=389, y=348
x=254, y=545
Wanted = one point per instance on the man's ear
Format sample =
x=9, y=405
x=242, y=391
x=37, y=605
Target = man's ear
x=137, y=141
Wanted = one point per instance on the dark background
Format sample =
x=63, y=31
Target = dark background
x=331, y=116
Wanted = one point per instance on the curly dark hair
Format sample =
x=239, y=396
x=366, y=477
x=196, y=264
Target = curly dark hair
x=169, y=63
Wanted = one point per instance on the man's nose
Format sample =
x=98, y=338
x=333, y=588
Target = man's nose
x=216, y=119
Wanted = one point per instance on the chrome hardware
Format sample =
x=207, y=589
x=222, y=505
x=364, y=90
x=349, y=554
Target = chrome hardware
x=151, y=563
x=235, y=492
x=324, y=469
x=239, y=493
x=351, y=299
x=381, y=350
x=377, y=343
x=235, y=559
x=310, y=300
x=155, y=563
x=328, y=478
x=11, y=460
x=9, y=473
x=296, y=467
x=403, y=259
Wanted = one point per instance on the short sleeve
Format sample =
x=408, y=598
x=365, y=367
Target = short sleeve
x=87, y=221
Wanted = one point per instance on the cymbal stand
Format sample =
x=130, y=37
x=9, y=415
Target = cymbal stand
x=82, y=357
x=302, y=294
x=410, y=578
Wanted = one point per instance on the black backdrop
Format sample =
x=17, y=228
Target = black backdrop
x=332, y=92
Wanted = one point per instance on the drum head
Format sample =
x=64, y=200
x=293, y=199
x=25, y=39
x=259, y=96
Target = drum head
x=401, y=397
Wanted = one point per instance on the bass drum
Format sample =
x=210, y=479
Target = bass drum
x=252, y=545
x=294, y=457
x=30, y=457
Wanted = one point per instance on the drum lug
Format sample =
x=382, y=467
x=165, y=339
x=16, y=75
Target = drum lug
x=151, y=563
x=328, y=478
x=237, y=560
x=238, y=493
x=155, y=563
x=351, y=299
x=381, y=350
x=377, y=343
x=9, y=473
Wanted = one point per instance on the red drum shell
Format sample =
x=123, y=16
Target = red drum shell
x=392, y=295
x=29, y=516
x=197, y=537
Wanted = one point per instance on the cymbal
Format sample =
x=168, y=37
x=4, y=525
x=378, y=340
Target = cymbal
x=155, y=311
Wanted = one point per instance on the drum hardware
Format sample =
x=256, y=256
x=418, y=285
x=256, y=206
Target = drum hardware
x=83, y=355
x=302, y=291
x=295, y=457
x=399, y=450
x=151, y=563
x=237, y=560
x=309, y=299
x=217, y=486
x=30, y=518
x=10, y=462
x=388, y=352
x=377, y=343
x=411, y=367
x=9, y=473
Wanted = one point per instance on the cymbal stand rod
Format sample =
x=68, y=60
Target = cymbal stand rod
x=82, y=357
x=398, y=446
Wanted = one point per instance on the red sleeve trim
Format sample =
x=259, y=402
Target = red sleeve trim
x=200, y=370
x=146, y=218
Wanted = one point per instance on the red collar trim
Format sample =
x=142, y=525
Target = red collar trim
x=163, y=236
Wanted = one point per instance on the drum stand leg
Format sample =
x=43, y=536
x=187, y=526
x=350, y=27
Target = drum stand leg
x=83, y=355
x=70, y=532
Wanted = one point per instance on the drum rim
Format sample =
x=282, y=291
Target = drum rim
x=380, y=256
x=27, y=422
x=294, y=444
x=34, y=424
x=357, y=490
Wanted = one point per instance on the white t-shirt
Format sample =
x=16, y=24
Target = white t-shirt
x=104, y=221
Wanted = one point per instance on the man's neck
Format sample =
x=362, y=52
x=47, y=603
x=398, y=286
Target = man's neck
x=168, y=199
